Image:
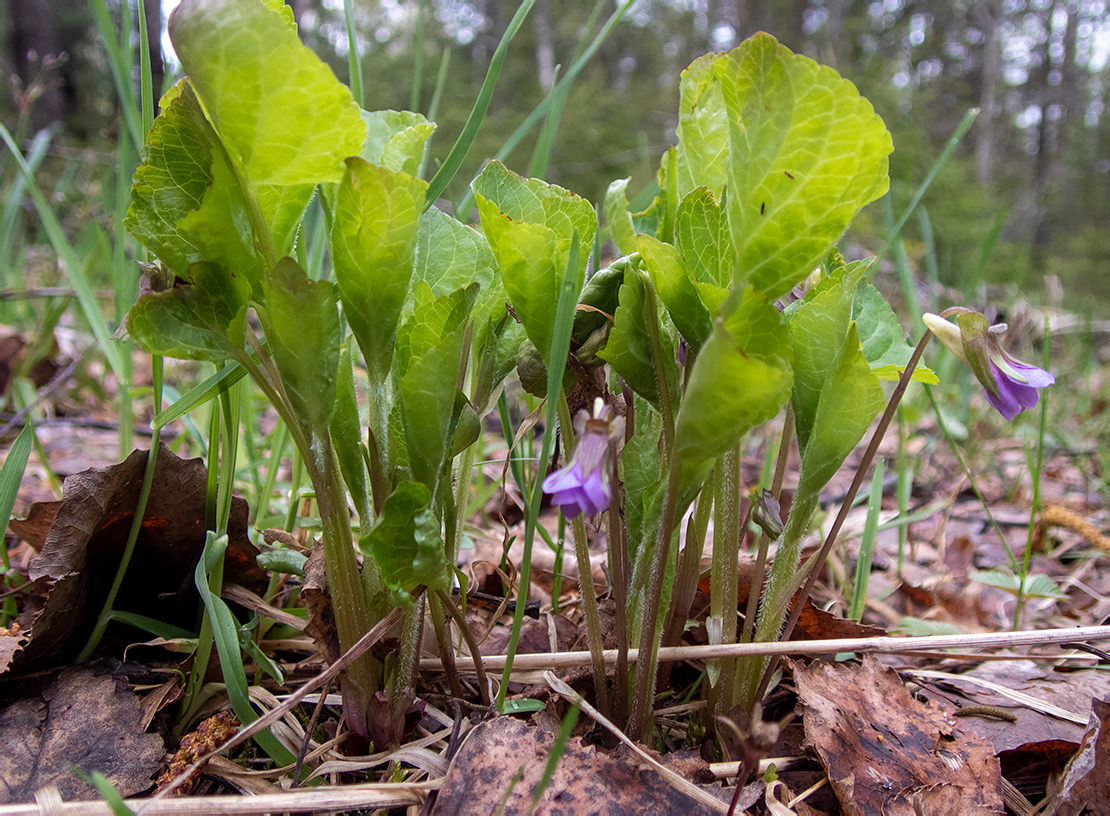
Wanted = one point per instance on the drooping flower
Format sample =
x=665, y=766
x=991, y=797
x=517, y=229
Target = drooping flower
x=1011, y=385
x=582, y=486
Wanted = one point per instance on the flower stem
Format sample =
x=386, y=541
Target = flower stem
x=618, y=568
x=643, y=697
x=723, y=580
x=344, y=583
x=585, y=573
x=846, y=505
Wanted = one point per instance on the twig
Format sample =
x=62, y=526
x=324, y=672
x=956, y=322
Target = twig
x=880, y=645
x=361, y=646
x=321, y=800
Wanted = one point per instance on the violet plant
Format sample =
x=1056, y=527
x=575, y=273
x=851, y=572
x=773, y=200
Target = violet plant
x=775, y=156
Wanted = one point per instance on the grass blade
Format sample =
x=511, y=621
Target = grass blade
x=961, y=130
x=10, y=476
x=459, y=150
x=560, y=348
x=561, y=86
x=867, y=544
x=119, y=60
x=354, y=59
x=74, y=269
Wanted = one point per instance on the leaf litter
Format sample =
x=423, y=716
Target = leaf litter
x=1039, y=741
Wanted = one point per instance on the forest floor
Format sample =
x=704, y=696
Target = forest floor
x=1004, y=713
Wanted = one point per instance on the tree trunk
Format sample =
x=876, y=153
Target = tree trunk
x=32, y=37
x=153, y=10
x=988, y=17
x=545, y=51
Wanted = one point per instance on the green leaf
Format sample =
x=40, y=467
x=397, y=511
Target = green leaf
x=12, y=472
x=200, y=319
x=641, y=469
x=884, y=345
x=738, y=380
x=601, y=294
x=806, y=152
x=289, y=562
x=450, y=255
x=429, y=352
x=701, y=235
x=819, y=325
x=677, y=289
x=1035, y=586
x=617, y=217
x=405, y=541
x=377, y=213
x=701, y=158
x=302, y=325
x=286, y=121
x=346, y=434
x=396, y=140
x=187, y=204
x=529, y=225
x=629, y=348
x=278, y=108
x=850, y=399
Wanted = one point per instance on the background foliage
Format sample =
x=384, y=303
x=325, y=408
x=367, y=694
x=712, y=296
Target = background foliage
x=1024, y=196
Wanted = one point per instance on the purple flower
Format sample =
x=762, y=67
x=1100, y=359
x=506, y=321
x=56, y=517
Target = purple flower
x=1011, y=385
x=583, y=485
x=1017, y=390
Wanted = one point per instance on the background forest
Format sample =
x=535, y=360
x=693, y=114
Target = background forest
x=1024, y=197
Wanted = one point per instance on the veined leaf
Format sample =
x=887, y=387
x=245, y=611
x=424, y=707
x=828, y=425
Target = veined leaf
x=738, y=380
x=806, y=152
x=701, y=158
x=450, y=255
x=529, y=225
x=677, y=289
x=820, y=328
x=701, y=235
x=286, y=121
x=278, y=108
x=629, y=349
x=374, y=230
x=881, y=334
x=302, y=325
x=186, y=203
x=618, y=218
x=396, y=140
x=406, y=543
x=850, y=399
x=429, y=350
x=199, y=320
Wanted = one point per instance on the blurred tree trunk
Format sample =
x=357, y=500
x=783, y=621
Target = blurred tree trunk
x=987, y=18
x=33, y=36
x=153, y=10
x=792, y=32
x=545, y=51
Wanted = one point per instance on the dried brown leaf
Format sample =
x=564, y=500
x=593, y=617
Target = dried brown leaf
x=887, y=753
x=1086, y=784
x=82, y=550
x=80, y=720
x=586, y=780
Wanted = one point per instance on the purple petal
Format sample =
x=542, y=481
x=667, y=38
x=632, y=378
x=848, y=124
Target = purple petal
x=596, y=492
x=1013, y=396
x=1035, y=377
x=568, y=478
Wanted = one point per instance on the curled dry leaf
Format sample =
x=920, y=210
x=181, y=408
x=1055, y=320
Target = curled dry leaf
x=1086, y=784
x=79, y=720
x=885, y=752
x=82, y=550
